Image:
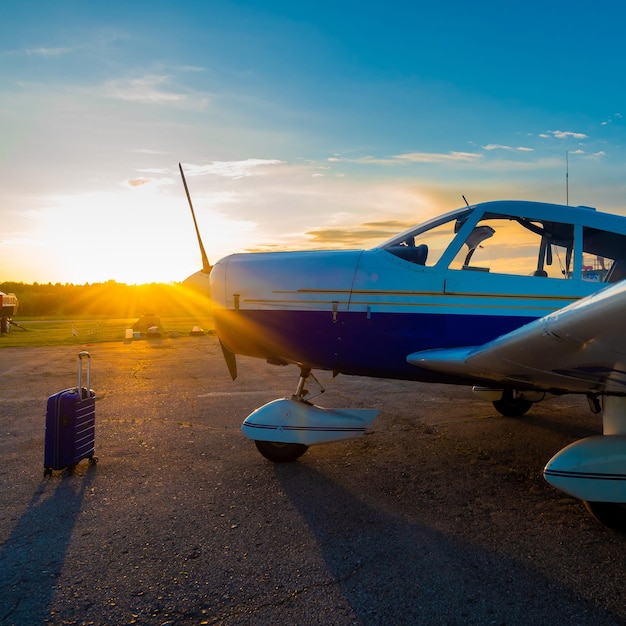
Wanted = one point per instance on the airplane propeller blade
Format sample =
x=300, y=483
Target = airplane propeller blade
x=229, y=357
x=231, y=360
x=206, y=266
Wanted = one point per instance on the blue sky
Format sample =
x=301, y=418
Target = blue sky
x=299, y=124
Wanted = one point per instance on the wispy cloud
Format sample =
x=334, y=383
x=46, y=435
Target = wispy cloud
x=48, y=52
x=192, y=68
x=151, y=89
x=580, y=152
x=562, y=134
x=137, y=182
x=497, y=146
x=153, y=170
x=94, y=41
x=148, y=151
x=364, y=160
x=611, y=119
x=155, y=182
x=438, y=157
x=358, y=235
x=411, y=157
x=230, y=169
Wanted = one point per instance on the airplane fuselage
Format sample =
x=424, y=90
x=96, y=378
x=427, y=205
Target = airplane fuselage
x=501, y=295
x=345, y=323
x=362, y=312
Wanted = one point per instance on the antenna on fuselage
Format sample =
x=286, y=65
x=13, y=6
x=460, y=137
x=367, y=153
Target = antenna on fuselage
x=567, y=178
x=206, y=266
x=465, y=200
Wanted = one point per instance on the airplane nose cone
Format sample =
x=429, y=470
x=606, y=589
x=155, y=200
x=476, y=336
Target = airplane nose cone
x=218, y=283
x=200, y=281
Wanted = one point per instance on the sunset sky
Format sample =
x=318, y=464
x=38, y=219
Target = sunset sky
x=299, y=124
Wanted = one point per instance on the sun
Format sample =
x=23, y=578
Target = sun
x=133, y=235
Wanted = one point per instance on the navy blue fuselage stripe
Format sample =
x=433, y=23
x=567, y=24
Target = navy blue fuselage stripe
x=357, y=344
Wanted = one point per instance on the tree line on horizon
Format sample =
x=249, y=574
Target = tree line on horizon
x=109, y=299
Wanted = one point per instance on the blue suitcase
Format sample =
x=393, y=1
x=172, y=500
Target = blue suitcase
x=71, y=424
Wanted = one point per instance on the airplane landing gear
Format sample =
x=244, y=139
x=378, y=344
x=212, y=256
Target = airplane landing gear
x=279, y=452
x=284, y=429
x=512, y=404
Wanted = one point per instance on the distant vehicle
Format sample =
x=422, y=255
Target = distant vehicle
x=8, y=307
x=520, y=300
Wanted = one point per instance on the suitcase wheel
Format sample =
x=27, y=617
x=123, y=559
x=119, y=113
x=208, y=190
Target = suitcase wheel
x=69, y=470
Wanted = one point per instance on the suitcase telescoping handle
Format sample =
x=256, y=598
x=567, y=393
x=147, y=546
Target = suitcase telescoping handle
x=81, y=355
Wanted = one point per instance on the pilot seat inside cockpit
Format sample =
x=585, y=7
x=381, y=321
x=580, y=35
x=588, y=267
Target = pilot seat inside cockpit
x=411, y=252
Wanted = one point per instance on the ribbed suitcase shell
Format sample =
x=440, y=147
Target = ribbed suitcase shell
x=70, y=425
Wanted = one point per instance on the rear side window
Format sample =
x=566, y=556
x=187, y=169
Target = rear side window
x=604, y=256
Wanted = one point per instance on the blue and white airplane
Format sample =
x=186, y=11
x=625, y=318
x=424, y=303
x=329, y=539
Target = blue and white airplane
x=520, y=300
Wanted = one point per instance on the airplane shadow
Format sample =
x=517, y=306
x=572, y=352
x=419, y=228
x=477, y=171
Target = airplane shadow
x=573, y=432
x=392, y=569
x=32, y=558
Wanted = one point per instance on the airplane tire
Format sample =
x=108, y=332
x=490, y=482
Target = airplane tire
x=281, y=452
x=611, y=514
x=510, y=406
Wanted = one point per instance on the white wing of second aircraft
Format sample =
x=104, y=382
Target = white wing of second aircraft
x=579, y=349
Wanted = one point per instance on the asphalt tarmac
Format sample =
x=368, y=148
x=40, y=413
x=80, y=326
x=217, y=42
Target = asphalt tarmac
x=438, y=515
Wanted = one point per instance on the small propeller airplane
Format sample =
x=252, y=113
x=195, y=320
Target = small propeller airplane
x=520, y=300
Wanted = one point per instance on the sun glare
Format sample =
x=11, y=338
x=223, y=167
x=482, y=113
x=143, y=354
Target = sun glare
x=134, y=236
x=121, y=300
x=142, y=232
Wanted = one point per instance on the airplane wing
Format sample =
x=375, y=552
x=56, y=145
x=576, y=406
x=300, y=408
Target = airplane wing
x=578, y=349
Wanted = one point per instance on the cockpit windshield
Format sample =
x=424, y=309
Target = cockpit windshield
x=425, y=244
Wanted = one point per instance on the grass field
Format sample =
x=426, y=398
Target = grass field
x=59, y=332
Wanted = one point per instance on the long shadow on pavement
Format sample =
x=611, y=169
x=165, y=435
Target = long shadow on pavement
x=394, y=570
x=32, y=558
